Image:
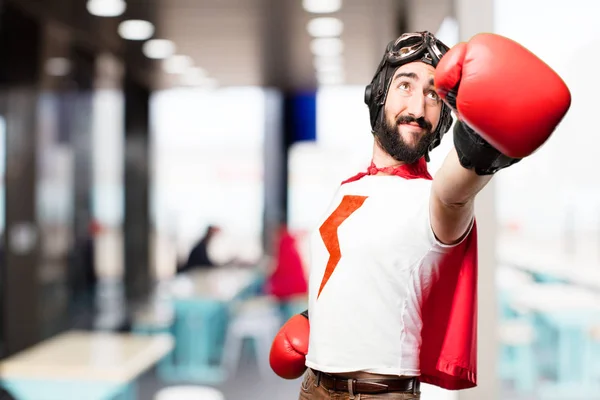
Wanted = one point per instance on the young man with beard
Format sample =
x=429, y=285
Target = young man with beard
x=393, y=273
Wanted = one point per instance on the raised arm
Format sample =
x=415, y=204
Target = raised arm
x=453, y=198
x=508, y=102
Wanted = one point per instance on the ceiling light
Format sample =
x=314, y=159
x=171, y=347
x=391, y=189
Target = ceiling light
x=331, y=80
x=204, y=82
x=58, y=66
x=210, y=83
x=325, y=27
x=136, y=29
x=193, y=76
x=106, y=8
x=177, y=64
x=213, y=82
x=326, y=46
x=330, y=75
x=197, y=77
x=158, y=48
x=322, y=6
x=328, y=63
x=196, y=72
x=330, y=68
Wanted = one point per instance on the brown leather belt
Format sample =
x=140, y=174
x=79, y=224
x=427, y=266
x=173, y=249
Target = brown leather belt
x=366, y=386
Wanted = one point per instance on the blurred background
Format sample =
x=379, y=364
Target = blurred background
x=162, y=162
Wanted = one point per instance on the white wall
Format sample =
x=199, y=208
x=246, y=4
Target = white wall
x=207, y=157
x=561, y=177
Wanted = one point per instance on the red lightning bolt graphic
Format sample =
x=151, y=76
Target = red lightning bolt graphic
x=329, y=234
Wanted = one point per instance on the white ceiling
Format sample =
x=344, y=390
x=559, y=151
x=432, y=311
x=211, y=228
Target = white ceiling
x=220, y=35
x=233, y=40
x=227, y=38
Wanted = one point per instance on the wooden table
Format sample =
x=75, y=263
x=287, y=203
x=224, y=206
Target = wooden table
x=222, y=283
x=82, y=366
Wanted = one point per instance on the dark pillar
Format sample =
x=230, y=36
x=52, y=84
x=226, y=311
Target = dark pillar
x=137, y=220
x=55, y=216
x=273, y=163
x=291, y=113
x=276, y=78
x=20, y=49
x=79, y=122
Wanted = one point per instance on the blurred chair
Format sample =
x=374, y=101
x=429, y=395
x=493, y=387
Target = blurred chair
x=594, y=354
x=152, y=320
x=189, y=393
x=202, y=301
x=540, y=277
x=197, y=331
x=517, y=359
x=517, y=332
x=256, y=319
x=575, y=356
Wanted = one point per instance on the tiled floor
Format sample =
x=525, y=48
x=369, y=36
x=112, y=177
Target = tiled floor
x=247, y=385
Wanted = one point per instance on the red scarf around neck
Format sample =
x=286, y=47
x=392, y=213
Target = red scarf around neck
x=415, y=170
x=448, y=355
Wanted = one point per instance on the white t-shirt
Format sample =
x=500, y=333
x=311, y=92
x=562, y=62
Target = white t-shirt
x=376, y=244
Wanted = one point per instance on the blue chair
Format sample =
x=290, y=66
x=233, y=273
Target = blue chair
x=517, y=360
x=574, y=363
x=198, y=331
x=165, y=368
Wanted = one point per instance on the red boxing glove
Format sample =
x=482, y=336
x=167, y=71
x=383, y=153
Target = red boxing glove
x=289, y=348
x=503, y=92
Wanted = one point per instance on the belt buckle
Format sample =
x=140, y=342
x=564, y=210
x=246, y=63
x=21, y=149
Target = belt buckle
x=317, y=378
x=416, y=385
x=351, y=386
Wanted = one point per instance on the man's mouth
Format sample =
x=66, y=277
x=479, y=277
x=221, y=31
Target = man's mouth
x=412, y=124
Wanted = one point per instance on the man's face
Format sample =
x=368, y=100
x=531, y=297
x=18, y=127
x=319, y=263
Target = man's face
x=411, y=112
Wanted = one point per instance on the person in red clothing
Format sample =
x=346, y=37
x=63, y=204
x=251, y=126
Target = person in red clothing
x=287, y=280
x=393, y=268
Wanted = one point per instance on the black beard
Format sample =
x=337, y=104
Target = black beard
x=390, y=140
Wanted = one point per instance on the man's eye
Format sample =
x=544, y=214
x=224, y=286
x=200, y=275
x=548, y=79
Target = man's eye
x=433, y=95
x=403, y=86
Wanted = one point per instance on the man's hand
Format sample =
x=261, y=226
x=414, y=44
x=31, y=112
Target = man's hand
x=503, y=93
x=290, y=346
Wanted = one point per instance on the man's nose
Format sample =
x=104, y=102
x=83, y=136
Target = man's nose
x=416, y=105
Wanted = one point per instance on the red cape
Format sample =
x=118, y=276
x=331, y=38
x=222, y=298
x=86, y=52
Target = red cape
x=449, y=337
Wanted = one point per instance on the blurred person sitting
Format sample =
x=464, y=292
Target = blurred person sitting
x=199, y=256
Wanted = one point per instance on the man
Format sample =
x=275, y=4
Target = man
x=199, y=257
x=392, y=290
